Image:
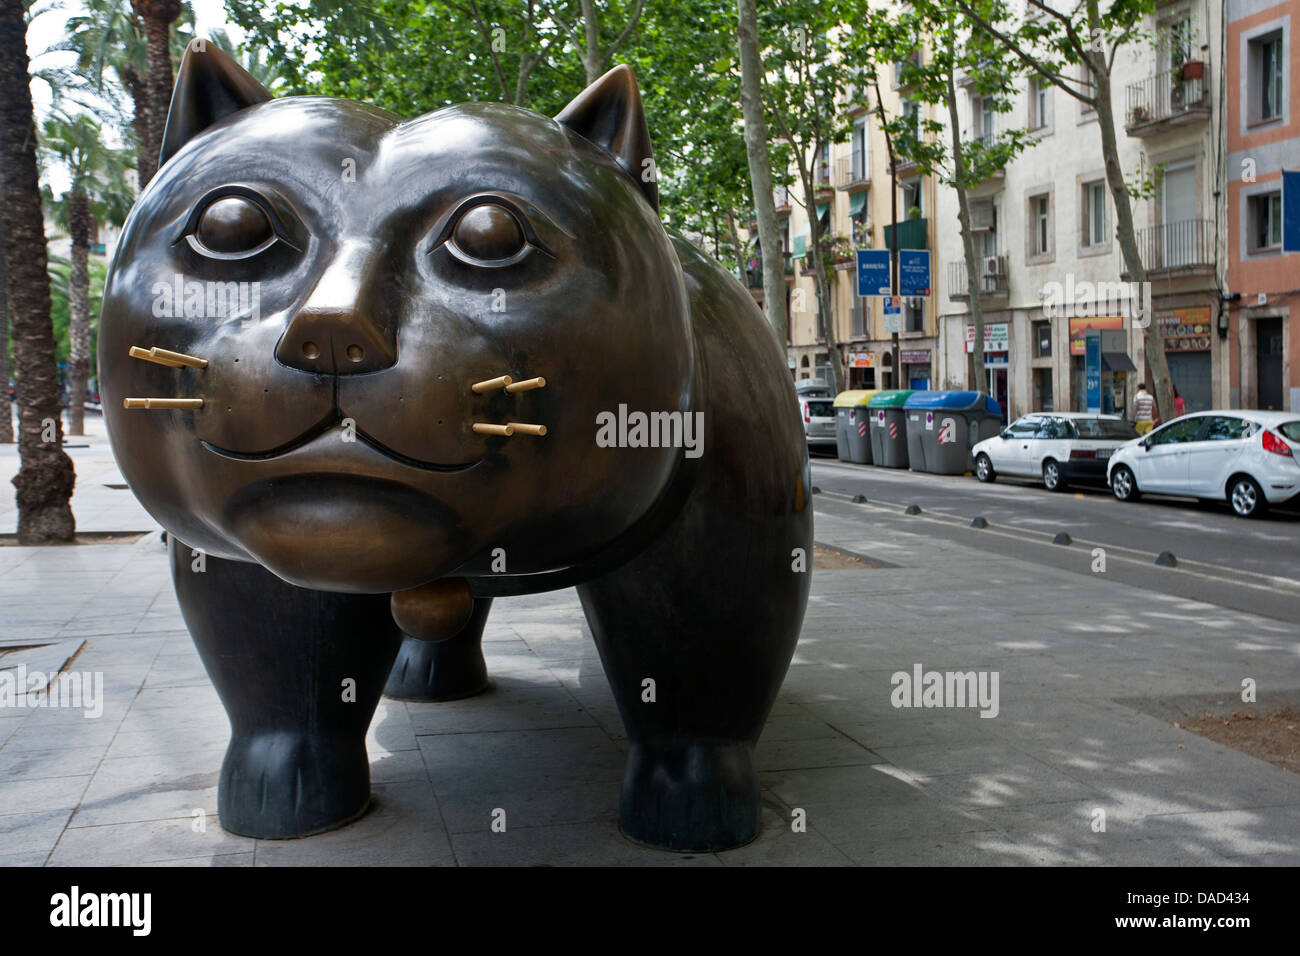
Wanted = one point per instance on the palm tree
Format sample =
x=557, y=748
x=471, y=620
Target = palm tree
x=45, y=477
x=257, y=63
x=98, y=193
x=158, y=17
x=7, y=415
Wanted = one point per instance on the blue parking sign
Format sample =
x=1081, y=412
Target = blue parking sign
x=914, y=272
x=873, y=272
x=1291, y=211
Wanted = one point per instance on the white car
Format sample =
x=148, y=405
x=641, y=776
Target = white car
x=1244, y=456
x=1054, y=447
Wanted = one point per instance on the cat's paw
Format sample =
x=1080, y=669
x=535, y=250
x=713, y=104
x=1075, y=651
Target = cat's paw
x=426, y=671
x=692, y=798
x=279, y=784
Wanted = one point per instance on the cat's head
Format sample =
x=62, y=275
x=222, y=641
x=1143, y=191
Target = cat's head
x=347, y=276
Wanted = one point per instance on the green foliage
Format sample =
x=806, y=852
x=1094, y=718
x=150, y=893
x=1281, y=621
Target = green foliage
x=100, y=171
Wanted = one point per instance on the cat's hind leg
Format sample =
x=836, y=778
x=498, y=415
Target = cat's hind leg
x=299, y=673
x=443, y=670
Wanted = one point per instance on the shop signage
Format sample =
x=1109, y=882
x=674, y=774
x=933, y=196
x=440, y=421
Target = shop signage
x=996, y=337
x=1185, y=330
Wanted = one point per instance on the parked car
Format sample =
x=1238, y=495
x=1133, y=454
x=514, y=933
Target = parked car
x=1054, y=447
x=1248, y=458
x=812, y=388
x=818, y=420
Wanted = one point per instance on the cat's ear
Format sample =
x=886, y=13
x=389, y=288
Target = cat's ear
x=609, y=114
x=209, y=87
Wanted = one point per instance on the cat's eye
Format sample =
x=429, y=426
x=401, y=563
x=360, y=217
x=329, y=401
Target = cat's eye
x=234, y=224
x=237, y=222
x=488, y=232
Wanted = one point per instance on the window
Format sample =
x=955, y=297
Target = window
x=824, y=165
x=911, y=195
x=1094, y=213
x=1040, y=223
x=1291, y=430
x=858, y=160
x=1043, y=397
x=1042, y=340
x=1175, y=433
x=1086, y=81
x=1038, y=108
x=1053, y=429
x=1225, y=428
x=912, y=113
x=1107, y=428
x=1177, y=40
x=1266, y=87
x=1265, y=211
x=1025, y=427
x=913, y=314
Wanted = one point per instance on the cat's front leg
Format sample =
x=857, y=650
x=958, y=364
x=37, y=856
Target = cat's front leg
x=696, y=634
x=299, y=673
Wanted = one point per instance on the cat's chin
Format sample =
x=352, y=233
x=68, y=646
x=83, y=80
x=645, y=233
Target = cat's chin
x=322, y=534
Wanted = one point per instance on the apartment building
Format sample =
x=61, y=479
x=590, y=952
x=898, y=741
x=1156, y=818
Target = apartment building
x=1045, y=235
x=1263, y=138
x=852, y=201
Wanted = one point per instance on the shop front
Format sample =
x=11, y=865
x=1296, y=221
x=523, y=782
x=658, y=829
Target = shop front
x=997, y=346
x=1117, y=368
x=862, y=369
x=916, y=367
x=1188, y=335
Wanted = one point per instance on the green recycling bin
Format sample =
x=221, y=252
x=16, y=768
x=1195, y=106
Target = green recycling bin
x=943, y=427
x=852, y=437
x=889, y=427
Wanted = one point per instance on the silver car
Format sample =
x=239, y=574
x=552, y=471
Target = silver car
x=818, y=420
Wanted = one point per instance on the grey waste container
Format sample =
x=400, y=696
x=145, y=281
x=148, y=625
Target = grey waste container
x=852, y=434
x=943, y=426
x=889, y=427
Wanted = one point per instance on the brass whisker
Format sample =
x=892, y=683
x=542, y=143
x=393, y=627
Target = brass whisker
x=505, y=431
x=491, y=384
x=162, y=403
x=523, y=429
x=167, y=357
x=526, y=385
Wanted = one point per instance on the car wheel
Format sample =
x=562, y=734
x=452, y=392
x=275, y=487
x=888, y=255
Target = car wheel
x=1052, y=479
x=984, y=468
x=1123, y=484
x=1246, y=497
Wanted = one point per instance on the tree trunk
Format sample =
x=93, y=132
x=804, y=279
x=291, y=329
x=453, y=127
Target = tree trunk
x=158, y=16
x=975, y=361
x=78, y=310
x=825, y=301
x=591, y=59
x=145, y=159
x=1162, y=388
x=6, y=406
x=45, y=478
x=760, y=171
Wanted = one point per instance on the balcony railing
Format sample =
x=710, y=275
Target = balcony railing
x=754, y=276
x=1171, y=98
x=1173, y=246
x=993, y=277
x=912, y=234
x=851, y=171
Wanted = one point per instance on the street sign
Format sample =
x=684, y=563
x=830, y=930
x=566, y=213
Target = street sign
x=893, y=314
x=1092, y=366
x=873, y=272
x=1291, y=211
x=914, y=272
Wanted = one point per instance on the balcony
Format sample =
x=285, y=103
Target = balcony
x=983, y=141
x=754, y=275
x=851, y=173
x=781, y=196
x=993, y=278
x=823, y=188
x=912, y=234
x=1168, y=100
x=1185, y=247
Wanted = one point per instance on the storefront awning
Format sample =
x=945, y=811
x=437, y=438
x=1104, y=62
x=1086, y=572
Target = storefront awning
x=1117, y=362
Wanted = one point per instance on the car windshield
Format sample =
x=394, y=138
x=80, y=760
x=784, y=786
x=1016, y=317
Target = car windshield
x=1108, y=428
x=821, y=409
x=1290, y=429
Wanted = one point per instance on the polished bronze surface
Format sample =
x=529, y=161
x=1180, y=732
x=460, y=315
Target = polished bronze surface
x=349, y=278
x=436, y=611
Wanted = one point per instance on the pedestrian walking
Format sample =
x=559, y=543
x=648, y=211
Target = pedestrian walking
x=1180, y=406
x=1144, y=406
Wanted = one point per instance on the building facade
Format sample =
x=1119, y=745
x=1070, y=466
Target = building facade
x=1050, y=263
x=1263, y=139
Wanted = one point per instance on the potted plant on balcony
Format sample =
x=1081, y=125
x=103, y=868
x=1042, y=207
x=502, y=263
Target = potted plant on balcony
x=1136, y=115
x=1193, y=70
x=914, y=212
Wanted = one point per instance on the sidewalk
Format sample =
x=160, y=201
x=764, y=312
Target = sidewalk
x=1081, y=662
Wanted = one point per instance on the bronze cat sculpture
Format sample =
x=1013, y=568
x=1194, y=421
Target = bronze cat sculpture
x=370, y=373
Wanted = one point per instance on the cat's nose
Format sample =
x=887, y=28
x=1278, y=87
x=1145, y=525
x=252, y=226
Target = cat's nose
x=341, y=329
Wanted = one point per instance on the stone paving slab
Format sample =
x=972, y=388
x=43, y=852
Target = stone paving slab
x=1086, y=665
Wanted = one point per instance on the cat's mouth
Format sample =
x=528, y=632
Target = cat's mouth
x=349, y=433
